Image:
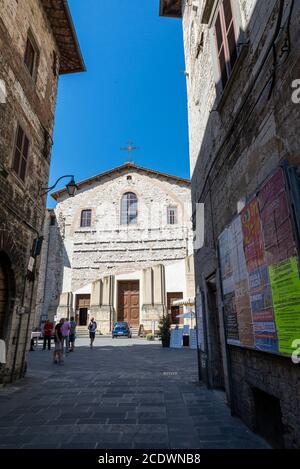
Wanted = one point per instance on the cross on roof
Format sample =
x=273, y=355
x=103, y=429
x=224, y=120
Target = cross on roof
x=130, y=148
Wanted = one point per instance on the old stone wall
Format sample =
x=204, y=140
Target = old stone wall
x=237, y=138
x=31, y=104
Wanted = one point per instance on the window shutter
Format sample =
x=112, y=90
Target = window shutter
x=21, y=153
x=29, y=57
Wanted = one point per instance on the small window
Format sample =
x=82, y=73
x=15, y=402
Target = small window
x=172, y=215
x=86, y=218
x=30, y=58
x=129, y=209
x=226, y=40
x=21, y=153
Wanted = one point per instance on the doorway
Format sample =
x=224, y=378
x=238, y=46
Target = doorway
x=174, y=311
x=217, y=375
x=3, y=298
x=129, y=302
x=82, y=308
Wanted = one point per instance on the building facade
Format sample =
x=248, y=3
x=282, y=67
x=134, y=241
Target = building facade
x=119, y=250
x=243, y=69
x=37, y=44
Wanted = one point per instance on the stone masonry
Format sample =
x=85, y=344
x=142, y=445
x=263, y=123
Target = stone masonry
x=238, y=136
x=29, y=102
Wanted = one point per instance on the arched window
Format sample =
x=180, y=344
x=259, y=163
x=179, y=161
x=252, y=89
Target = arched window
x=129, y=209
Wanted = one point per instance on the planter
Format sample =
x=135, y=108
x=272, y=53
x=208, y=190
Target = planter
x=165, y=341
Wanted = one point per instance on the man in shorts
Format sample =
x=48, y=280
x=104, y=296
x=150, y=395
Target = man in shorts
x=92, y=330
x=72, y=335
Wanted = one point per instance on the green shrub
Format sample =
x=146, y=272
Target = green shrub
x=150, y=336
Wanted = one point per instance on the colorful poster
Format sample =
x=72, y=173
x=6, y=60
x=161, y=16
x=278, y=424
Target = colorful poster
x=226, y=261
x=275, y=218
x=244, y=316
x=252, y=235
x=241, y=287
x=285, y=286
x=231, y=322
x=262, y=310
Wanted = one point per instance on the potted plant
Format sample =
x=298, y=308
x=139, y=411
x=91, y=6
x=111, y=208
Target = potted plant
x=164, y=327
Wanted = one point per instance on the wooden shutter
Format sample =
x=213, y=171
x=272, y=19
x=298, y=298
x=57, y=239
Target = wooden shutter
x=29, y=58
x=21, y=153
x=226, y=40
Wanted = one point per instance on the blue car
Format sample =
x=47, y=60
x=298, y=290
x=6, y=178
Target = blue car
x=121, y=329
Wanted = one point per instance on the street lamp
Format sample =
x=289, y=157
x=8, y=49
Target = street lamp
x=71, y=186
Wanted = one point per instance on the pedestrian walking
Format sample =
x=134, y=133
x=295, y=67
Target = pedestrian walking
x=72, y=335
x=65, y=330
x=58, y=355
x=92, y=330
x=47, y=334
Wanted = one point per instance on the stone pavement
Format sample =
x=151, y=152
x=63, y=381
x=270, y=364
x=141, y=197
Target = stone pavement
x=125, y=393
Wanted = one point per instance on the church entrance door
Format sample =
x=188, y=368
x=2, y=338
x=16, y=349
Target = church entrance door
x=82, y=308
x=129, y=302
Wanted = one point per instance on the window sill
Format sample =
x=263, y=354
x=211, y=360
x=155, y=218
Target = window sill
x=19, y=182
x=222, y=96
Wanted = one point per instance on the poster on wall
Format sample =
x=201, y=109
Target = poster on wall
x=262, y=310
x=231, y=322
x=226, y=261
x=252, y=235
x=241, y=287
x=285, y=285
x=275, y=219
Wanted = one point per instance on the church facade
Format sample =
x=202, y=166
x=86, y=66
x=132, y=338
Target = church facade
x=120, y=250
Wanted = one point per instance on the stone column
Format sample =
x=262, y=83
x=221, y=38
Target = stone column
x=105, y=315
x=96, y=299
x=154, y=294
x=65, y=307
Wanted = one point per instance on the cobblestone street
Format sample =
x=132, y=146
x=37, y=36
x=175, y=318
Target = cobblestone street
x=122, y=394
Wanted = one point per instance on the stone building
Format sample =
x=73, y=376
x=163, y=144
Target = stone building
x=119, y=249
x=37, y=44
x=243, y=69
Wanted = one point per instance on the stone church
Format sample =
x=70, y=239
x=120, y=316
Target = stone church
x=121, y=249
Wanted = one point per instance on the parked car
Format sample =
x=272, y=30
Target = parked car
x=121, y=329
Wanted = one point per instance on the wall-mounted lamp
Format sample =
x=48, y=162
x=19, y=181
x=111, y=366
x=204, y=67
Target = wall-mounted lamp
x=71, y=186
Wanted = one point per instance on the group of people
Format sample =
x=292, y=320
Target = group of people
x=64, y=336
x=64, y=339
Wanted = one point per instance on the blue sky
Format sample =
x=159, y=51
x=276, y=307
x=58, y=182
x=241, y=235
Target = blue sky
x=134, y=89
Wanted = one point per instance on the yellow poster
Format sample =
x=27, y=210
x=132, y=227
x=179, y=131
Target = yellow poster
x=285, y=285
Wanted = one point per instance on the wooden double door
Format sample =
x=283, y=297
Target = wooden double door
x=82, y=308
x=174, y=311
x=129, y=302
